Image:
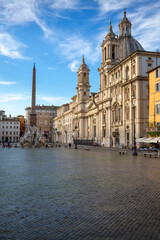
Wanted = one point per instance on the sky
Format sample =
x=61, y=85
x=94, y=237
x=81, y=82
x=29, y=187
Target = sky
x=55, y=34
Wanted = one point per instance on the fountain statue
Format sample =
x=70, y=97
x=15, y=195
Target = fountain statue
x=33, y=137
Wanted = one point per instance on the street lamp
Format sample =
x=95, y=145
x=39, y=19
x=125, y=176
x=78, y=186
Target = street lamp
x=134, y=148
x=75, y=142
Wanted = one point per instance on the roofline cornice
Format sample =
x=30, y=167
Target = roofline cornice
x=131, y=56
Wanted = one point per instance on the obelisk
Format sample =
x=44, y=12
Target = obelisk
x=33, y=101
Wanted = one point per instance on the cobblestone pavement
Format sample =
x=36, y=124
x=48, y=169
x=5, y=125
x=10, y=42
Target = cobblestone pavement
x=69, y=194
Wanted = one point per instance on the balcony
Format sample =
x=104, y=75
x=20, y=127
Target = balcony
x=115, y=134
x=153, y=131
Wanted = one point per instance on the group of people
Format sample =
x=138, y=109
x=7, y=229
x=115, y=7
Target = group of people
x=7, y=144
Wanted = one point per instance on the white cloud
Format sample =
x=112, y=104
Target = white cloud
x=54, y=100
x=146, y=27
x=12, y=97
x=112, y=5
x=73, y=66
x=65, y=4
x=10, y=47
x=75, y=46
x=16, y=12
x=7, y=83
x=51, y=68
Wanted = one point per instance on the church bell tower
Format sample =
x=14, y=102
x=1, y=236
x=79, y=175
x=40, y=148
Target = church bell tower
x=110, y=56
x=83, y=86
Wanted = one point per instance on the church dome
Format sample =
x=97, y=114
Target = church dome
x=128, y=45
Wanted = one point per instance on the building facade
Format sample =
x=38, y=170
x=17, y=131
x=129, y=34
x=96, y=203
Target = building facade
x=44, y=119
x=22, y=124
x=9, y=128
x=153, y=129
x=106, y=117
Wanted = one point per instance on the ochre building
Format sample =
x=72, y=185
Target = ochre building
x=153, y=129
x=44, y=118
x=106, y=117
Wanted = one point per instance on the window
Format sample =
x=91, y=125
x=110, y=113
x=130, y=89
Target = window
x=84, y=93
x=134, y=91
x=157, y=108
x=157, y=87
x=104, y=118
x=149, y=64
x=127, y=73
x=116, y=113
x=10, y=126
x=45, y=114
x=105, y=57
x=157, y=73
x=113, y=51
x=105, y=80
x=134, y=70
x=127, y=94
x=104, y=132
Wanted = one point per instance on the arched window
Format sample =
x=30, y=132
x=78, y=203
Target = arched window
x=127, y=73
x=126, y=30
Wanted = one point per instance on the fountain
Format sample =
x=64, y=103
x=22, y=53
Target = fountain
x=33, y=137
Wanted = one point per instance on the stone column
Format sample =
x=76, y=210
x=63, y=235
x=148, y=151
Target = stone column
x=33, y=102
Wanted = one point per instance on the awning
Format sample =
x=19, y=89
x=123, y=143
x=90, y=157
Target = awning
x=139, y=140
x=148, y=140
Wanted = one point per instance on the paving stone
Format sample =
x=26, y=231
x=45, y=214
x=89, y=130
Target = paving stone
x=69, y=194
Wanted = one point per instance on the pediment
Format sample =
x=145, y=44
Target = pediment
x=91, y=105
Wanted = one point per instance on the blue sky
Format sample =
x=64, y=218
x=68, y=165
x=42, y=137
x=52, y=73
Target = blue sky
x=55, y=34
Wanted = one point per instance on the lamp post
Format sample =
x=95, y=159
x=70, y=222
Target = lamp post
x=134, y=148
x=75, y=142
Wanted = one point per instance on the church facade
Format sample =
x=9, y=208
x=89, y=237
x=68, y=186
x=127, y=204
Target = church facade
x=107, y=117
